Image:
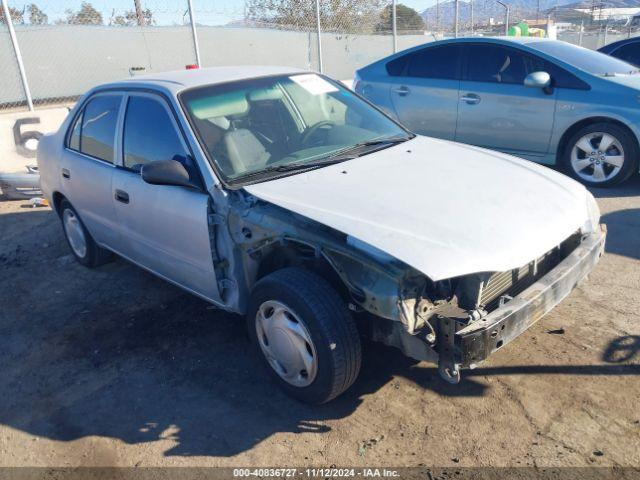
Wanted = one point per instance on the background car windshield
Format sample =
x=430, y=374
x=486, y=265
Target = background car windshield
x=590, y=61
x=251, y=125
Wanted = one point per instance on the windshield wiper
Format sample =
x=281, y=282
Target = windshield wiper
x=336, y=157
x=291, y=167
x=351, y=152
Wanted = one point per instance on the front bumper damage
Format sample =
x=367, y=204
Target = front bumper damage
x=467, y=345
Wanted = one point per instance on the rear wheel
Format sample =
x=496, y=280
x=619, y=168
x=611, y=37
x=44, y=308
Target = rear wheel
x=305, y=333
x=601, y=155
x=82, y=245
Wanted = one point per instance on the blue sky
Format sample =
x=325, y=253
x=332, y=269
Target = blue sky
x=213, y=12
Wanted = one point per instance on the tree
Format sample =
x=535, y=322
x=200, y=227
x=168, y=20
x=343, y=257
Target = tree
x=87, y=15
x=17, y=16
x=130, y=18
x=408, y=21
x=37, y=16
x=351, y=16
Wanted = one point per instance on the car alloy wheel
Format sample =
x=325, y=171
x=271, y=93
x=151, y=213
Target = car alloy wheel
x=286, y=343
x=597, y=157
x=75, y=233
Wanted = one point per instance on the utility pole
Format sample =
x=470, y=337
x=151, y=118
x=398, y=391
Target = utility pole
x=471, y=2
x=139, y=16
x=437, y=16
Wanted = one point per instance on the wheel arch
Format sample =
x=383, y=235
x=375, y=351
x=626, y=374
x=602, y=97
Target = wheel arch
x=57, y=198
x=569, y=132
x=299, y=254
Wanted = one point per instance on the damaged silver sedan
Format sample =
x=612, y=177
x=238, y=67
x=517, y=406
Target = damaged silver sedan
x=280, y=195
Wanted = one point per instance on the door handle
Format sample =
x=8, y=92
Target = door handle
x=122, y=196
x=402, y=91
x=471, y=98
x=66, y=173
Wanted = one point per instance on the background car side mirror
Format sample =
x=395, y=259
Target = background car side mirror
x=538, y=80
x=166, y=172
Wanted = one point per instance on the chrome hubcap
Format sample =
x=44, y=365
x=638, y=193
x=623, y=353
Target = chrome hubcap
x=286, y=343
x=597, y=157
x=75, y=233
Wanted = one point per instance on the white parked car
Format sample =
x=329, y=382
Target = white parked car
x=280, y=195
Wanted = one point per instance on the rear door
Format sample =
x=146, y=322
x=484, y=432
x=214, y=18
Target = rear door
x=88, y=163
x=496, y=110
x=424, y=90
x=165, y=228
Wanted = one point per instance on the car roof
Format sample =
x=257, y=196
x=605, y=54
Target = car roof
x=527, y=42
x=179, y=80
x=614, y=45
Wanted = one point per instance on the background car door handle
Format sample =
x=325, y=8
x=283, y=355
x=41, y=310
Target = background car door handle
x=402, y=91
x=471, y=98
x=66, y=173
x=122, y=196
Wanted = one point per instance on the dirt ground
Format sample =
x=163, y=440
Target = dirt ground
x=113, y=367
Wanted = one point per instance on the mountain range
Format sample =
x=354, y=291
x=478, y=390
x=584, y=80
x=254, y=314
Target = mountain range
x=443, y=13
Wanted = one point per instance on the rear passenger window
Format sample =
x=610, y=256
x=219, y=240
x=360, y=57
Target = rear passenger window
x=94, y=130
x=440, y=62
x=437, y=62
x=396, y=67
x=150, y=135
x=74, y=139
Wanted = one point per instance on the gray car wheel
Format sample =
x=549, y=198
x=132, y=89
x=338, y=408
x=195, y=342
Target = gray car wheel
x=601, y=155
x=80, y=241
x=305, y=333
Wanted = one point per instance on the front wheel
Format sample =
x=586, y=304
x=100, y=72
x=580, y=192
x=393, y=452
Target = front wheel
x=601, y=155
x=305, y=333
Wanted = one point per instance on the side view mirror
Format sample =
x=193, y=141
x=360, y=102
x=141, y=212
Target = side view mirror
x=538, y=80
x=166, y=172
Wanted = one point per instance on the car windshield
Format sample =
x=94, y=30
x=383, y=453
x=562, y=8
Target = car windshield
x=587, y=60
x=258, y=127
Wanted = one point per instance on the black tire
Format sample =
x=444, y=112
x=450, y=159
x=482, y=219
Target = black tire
x=627, y=141
x=94, y=255
x=329, y=323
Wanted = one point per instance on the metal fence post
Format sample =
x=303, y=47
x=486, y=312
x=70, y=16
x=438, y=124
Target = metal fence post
x=455, y=19
x=506, y=18
x=394, y=26
x=16, y=49
x=581, y=32
x=319, y=35
x=506, y=23
x=194, y=34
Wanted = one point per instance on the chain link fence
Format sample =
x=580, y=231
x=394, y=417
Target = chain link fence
x=67, y=46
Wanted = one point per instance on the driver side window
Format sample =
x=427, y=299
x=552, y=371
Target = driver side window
x=150, y=135
x=495, y=64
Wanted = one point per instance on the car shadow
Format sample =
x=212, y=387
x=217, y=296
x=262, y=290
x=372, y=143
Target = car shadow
x=115, y=352
x=184, y=372
x=623, y=232
x=630, y=188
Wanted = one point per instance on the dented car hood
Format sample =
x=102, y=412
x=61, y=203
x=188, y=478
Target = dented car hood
x=444, y=208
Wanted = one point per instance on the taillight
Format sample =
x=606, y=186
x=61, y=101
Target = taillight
x=191, y=66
